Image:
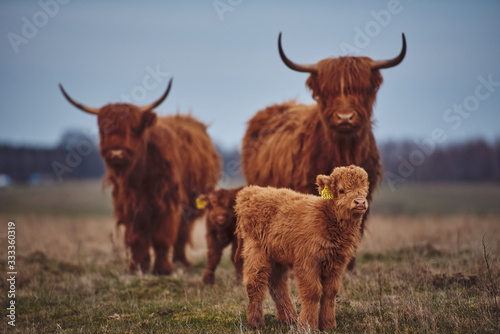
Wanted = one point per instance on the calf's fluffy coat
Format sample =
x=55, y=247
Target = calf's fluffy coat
x=280, y=228
x=221, y=224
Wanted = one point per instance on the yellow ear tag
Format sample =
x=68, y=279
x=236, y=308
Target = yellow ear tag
x=200, y=203
x=326, y=193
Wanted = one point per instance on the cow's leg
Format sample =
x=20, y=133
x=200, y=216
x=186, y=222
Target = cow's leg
x=278, y=288
x=238, y=262
x=331, y=286
x=140, y=256
x=310, y=290
x=139, y=248
x=163, y=240
x=352, y=264
x=146, y=262
x=214, y=256
x=162, y=265
x=183, y=238
x=256, y=274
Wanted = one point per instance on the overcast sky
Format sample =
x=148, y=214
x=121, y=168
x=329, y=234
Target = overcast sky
x=225, y=64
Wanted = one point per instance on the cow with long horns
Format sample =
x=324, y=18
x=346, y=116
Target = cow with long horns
x=156, y=166
x=288, y=144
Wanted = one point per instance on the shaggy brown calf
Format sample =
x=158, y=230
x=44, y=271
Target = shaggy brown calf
x=154, y=166
x=221, y=223
x=317, y=236
x=288, y=144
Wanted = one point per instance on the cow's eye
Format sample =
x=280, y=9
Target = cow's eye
x=341, y=191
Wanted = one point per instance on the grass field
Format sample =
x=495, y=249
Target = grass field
x=421, y=268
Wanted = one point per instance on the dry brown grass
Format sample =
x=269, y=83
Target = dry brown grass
x=69, y=238
x=445, y=233
x=415, y=274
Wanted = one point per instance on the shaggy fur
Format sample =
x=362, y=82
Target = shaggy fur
x=221, y=224
x=281, y=228
x=287, y=145
x=156, y=166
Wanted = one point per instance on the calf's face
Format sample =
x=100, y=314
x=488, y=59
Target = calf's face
x=219, y=206
x=349, y=188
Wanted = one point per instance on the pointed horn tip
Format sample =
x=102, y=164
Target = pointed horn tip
x=167, y=91
x=80, y=106
x=160, y=100
x=309, y=68
x=382, y=64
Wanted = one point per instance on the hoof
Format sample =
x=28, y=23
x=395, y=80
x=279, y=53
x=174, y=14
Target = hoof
x=162, y=271
x=184, y=262
x=256, y=322
x=209, y=279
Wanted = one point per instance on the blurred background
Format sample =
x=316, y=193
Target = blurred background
x=428, y=261
x=437, y=117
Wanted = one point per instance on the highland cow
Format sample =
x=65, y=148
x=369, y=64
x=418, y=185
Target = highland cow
x=317, y=236
x=154, y=166
x=287, y=145
x=221, y=224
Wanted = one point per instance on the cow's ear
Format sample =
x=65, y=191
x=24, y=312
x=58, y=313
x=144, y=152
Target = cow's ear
x=322, y=181
x=148, y=118
x=201, y=201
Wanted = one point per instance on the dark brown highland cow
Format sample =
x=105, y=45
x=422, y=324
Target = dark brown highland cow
x=317, y=236
x=221, y=223
x=156, y=166
x=287, y=145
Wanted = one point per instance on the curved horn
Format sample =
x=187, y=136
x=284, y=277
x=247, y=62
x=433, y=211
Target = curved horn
x=90, y=110
x=380, y=64
x=310, y=68
x=160, y=100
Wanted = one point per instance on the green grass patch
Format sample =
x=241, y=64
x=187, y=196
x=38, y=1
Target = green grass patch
x=393, y=291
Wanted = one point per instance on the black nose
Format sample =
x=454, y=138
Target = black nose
x=345, y=118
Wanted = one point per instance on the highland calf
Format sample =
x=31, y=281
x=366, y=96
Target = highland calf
x=221, y=224
x=288, y=144
x=154, y=165
x=317, y=236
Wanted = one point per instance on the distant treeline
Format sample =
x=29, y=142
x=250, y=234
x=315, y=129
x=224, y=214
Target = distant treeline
x=471, y=161
x=77, y=157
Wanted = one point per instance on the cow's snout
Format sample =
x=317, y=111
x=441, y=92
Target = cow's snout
x=345, y=118
x=116, y=154
x=220, y=219
x=360, y=204
x=117, y=158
